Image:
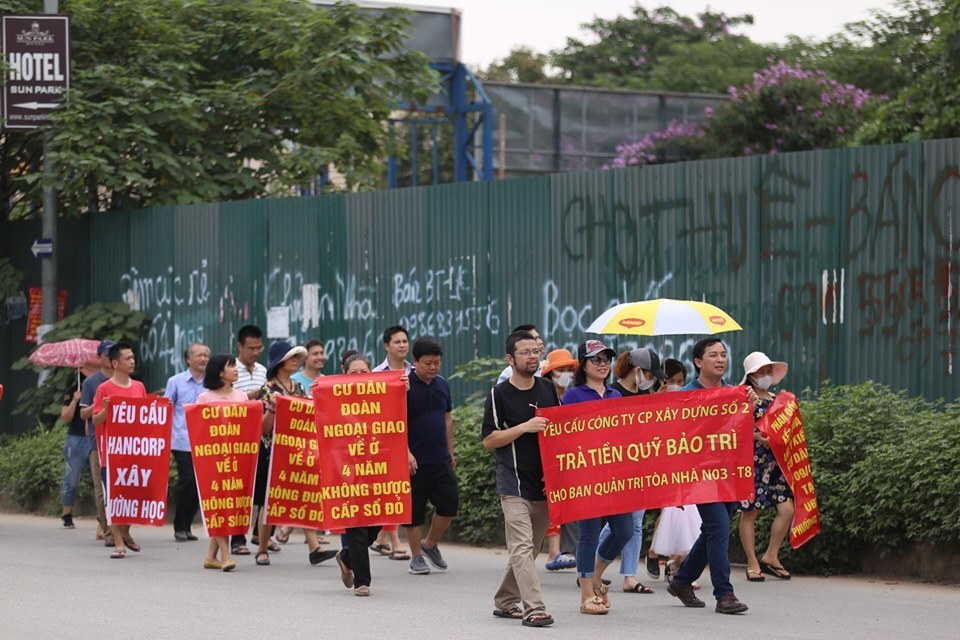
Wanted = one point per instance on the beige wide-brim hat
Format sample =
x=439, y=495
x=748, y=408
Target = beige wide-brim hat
x=757, y=360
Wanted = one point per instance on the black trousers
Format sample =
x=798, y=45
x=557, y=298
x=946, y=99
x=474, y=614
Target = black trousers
x=185, y=493
x=356, y=555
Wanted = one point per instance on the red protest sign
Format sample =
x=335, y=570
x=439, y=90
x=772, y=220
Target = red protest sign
x=35, y=311
x=362, y=424
x=137, y=439
x=645, y=452
x=294, y=493
x=224, y=443
x=783, y=425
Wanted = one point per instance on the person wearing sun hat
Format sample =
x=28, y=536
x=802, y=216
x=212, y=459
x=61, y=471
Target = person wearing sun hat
x=285, y=361
x=559, y=368
x=771, y=489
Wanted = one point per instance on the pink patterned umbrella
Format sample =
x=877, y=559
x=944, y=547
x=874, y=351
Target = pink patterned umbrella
x=70, y=353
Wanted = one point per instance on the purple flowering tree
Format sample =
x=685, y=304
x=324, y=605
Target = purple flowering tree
x=785, y=108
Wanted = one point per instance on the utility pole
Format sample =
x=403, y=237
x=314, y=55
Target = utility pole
x=48, y=267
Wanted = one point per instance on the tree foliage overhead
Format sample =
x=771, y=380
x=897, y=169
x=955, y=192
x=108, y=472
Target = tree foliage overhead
x=178, y=101
x=626, y=51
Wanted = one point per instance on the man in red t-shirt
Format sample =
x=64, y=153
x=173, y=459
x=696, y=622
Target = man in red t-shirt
x=120, y=385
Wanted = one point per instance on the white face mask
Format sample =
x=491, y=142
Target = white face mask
x=642, y=383
x=763, y=382
x=673, y=387
x=565, y=379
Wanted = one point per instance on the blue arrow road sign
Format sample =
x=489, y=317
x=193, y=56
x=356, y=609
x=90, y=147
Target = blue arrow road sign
x=42, y=248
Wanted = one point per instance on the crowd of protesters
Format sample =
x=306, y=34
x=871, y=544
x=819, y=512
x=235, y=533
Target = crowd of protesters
x=686, y=538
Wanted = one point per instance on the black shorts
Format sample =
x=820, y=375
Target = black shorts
x=438, y=484
x=263, y=474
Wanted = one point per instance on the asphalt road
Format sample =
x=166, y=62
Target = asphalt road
x=61, y=584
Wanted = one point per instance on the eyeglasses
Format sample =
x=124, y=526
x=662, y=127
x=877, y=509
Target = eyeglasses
x=598, y=360
x=526, y=353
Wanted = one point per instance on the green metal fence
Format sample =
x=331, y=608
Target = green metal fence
x=842, y=262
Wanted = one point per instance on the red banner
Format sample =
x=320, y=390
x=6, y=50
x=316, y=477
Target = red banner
x=224, y=443
x=35, y=311
x=645, y=452
x=137, y=436
x=294, y=493
x=783, y=425
x=362, y=424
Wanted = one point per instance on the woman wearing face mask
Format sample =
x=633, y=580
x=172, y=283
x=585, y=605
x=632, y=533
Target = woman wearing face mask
x=770, y=485
x=561, y=539
x=676, y=374
x=593, y=558
x=638, y=373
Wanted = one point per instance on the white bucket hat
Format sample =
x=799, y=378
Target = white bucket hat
x=757, y=360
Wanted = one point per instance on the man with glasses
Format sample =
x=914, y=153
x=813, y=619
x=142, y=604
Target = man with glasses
x=510, y=428
x=532, y=330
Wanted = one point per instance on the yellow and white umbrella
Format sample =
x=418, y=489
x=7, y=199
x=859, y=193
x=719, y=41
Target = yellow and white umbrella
x=663, y=317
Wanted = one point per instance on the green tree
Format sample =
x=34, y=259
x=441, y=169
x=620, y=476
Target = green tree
x=929, y=105
x=177, y=101
x=522, y=64
x=625, y=51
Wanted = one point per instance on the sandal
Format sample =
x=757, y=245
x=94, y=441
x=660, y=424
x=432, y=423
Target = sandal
x=240, y=550
x=282, y=535
x=382, y=549
x=119, y=554
x=273, y=547
x=638, y=588
x=594, y=607
x=754, y=575
x=346, y=575
x=512, y=614
x=602, y=592
x=399, y=554
x=775, y=571
x=132, y=545
x=266, y=559
x=538, y=619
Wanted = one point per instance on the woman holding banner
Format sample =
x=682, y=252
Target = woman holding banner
x=285, y=361
x=218, y=378
x=354, y=558
x=593, y=558
x=771, y=486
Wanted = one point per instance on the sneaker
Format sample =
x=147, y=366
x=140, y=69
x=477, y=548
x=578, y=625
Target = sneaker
x=685, y=593
x=562, y=561
x=418, y=566
x=433, y=555
x=67, y=520
x=653, y=567
x=728, y=603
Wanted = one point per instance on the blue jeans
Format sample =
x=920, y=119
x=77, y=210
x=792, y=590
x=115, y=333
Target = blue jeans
x=712, y=547
x=630, y=556
x=76, y=458
x=589, y=547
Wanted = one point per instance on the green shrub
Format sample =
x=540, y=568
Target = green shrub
x=480, y=519
x=31, y=470
x=884, y=467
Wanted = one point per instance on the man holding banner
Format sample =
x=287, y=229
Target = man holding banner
x=121, y=385
x=510, y=428
x=712, y=547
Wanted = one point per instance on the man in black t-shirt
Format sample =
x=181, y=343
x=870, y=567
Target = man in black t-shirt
x=510, y=428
